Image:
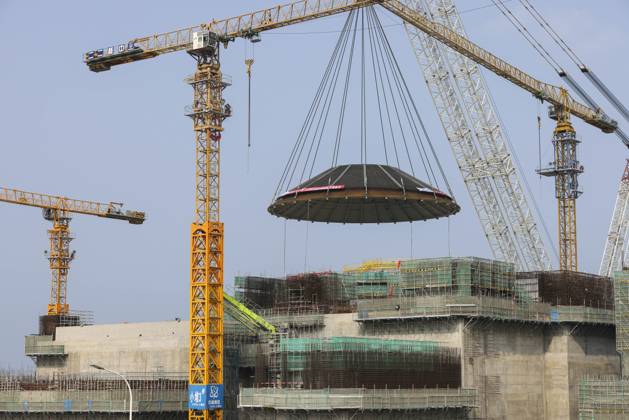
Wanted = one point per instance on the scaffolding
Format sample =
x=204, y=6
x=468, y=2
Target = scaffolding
x=336, y=292
x=357, y=399
x=621, y=296
x=451, y=306
x=355, y=362
x=158, y=392
x=154, y=392
x=604, y=398
x=488, y=307
x=459, y=276
x=42, y=346
x=570, y=288
x=437, y=287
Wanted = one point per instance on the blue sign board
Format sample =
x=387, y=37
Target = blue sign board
x=205, y=397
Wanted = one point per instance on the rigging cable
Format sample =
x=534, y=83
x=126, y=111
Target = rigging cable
x=394, y=101
x=284, y=180
x=339, y=129
x=580, y=91
x=410, y=103
x=521, y=28
x=598, y=83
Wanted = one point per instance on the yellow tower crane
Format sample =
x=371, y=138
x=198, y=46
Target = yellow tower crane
x=58, y=210
x=565, y=169
x=208, y=111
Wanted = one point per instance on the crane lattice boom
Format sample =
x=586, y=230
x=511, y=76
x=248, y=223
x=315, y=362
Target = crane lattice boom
x=618, y=227
x=477, y=138
x=250, y=24
x=69, y=205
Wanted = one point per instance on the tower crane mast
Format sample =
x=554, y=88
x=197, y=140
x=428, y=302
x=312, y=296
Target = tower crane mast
x=58, y=210
x=208, y=111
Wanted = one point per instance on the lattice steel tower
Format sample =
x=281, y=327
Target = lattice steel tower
x=615, y=243
x=565, y=169
x=206, y=271
x=477, y=139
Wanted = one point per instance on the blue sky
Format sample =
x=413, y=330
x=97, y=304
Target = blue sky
x=122, y=136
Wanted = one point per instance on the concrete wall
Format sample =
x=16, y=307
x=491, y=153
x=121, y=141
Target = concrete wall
x=591, y=351
x=525, y=371
x=504, y=362
x=137, y=347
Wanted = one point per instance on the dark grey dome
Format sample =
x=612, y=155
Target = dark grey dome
x=363, y=194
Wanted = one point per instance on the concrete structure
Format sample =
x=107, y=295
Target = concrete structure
x=148, y=347
x=520, y=370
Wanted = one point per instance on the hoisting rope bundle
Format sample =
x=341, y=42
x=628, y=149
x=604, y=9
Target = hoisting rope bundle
x=385, y=114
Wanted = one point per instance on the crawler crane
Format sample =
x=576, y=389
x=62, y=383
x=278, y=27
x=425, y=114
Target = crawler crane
x=203, y=42
x=58, y=210
x=615, y=244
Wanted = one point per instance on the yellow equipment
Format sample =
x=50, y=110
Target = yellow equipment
x=252, y=321
x=565, y=170
x=57, y=210
x=208, y=111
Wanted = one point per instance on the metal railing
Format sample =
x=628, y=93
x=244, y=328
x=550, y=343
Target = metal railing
x=42, y=345
x=451, y=305
x=357, y=399
x=478, y=306
x=604, y=398
x=88, y=406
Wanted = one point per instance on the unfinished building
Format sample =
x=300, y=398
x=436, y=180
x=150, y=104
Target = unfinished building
x=434, y=338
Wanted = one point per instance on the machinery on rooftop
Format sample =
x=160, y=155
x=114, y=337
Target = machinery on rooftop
x=58, y=210
x=208, y=112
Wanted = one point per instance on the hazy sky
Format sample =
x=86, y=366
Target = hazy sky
x=122, y=136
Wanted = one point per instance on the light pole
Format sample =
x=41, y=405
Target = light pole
x=125, y=381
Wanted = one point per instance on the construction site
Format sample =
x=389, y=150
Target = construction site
x=522, y=333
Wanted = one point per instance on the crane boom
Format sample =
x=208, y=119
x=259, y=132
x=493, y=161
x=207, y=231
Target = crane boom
x=243, y=26
x=464, y=46
x=250, y=24
x=618, y=227
x=53, y=202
